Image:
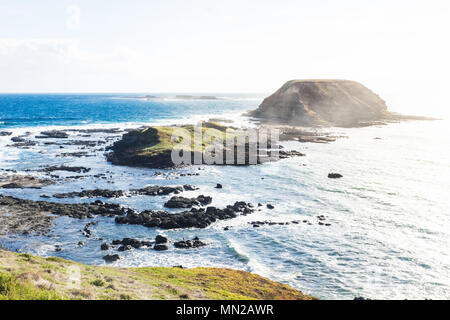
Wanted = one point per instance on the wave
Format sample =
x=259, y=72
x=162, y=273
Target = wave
x=238, y=251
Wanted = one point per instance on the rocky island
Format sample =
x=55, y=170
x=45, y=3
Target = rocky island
x=152, y=147
x=341, y=103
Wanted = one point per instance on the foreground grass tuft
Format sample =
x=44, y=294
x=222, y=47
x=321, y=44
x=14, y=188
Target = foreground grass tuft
x=12, y=288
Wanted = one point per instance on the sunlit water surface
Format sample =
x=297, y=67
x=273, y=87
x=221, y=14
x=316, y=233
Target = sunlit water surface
x=390, y=228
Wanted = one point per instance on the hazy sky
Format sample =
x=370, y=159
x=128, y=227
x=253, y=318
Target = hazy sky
x=399, y=49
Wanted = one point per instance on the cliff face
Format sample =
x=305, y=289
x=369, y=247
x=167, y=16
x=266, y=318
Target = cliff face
x=322, y=102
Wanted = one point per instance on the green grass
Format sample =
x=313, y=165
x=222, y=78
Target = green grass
x=166, y=144
x=12, y=288
x=27, y=277
x=98, y=283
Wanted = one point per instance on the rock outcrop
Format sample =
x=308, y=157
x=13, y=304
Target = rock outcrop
x=152, y=147
x=27, y=216
x=196, y=218
x=322, y=102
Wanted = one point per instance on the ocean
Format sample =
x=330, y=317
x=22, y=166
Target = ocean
x=389, y=236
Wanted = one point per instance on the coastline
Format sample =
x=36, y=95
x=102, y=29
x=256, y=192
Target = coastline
x=254, y=262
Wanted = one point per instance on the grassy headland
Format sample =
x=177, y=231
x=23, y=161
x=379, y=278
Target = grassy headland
x=152, y=147
x=27, y=277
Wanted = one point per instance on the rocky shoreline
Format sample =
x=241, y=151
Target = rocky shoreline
x=195, y=218
x=21, y=216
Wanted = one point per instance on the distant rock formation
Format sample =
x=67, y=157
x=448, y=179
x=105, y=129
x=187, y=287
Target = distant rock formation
x=323, y=102
x=189, y=97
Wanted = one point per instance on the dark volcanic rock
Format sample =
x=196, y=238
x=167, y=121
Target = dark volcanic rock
x=127, y=150
x=188, y=187
x=125, y=248
x=182, y=202
x=78, y=154
x=188, y=244
x=161, y=247
x=23, y=181
x=111, y=258
x=5, y=133
x=134, y=243
x=73, y=210
x=55, y=134
x=196, y=218
x=98, y=193
x=109, y=130
x=23, y=217
x=258, y=224
x=66, y=168
x=105, y=246
x=335, y=175
x=160, y=239
x=18, y=139
x=12, y=185
x=219, y=186
x=157, y=190
x=289, y=154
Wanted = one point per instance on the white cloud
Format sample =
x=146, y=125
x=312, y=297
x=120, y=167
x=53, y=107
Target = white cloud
x=62, y=65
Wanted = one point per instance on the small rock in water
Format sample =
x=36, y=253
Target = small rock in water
x=81, y=243
x=219, y=186
x=160, y=239
x=12, y=185
x=189, y=187
x=335, y=175
x=269, y=206
x=111, y=258
x=105, y=246
x=194, y=243
x=125, y=248
x=161, y=247
x=134, y=243
x=53, y=134
x=182, y=202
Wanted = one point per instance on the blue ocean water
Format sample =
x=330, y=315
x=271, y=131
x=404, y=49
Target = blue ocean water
x=21, y=110
x=389, y=215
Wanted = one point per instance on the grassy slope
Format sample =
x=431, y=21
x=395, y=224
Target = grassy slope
x=165, y=133
x=27, y=277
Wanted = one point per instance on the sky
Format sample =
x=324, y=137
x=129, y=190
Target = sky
x=399, y=49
